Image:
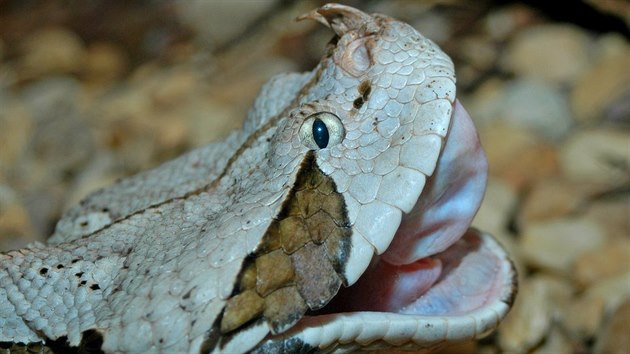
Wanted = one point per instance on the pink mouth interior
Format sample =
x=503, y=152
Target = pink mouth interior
x=435, y=265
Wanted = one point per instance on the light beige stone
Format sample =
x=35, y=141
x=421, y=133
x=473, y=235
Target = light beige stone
x=529, y=320
x=17, y=127
x=502, y=142
x=534, y=163
x=537, y=105
x=597, y=156
x=583, y=315
x=54, y=50
x=497, y=207
x=612, y=215
x=551, y=198
x=552, y=52
x=609, y=260
x=555, y=244
x=105, y=62
x=600, y=86
x=614, y=338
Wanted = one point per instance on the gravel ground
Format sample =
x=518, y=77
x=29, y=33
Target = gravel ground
x=104, y=89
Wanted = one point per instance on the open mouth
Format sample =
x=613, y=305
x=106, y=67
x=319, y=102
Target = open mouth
x=436, y=265
x=439, y=280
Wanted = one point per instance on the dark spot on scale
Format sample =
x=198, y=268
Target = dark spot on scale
x=78, y=275
x=105, y=210
x=95, y=287
x=187, y=295
x=83, y=282
x=75, y=260
x=83, y=224
x=43, y=271
x=364, y=89
x=60, y=266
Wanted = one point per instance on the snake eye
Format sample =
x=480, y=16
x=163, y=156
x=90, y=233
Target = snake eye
x=321, y=130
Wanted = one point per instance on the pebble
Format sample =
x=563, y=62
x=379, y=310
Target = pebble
x=105, y=63
x=597, y=156
x=54, y=50
x=538, y=106
x=614, y=338
x=15, y=224
x=555, y=244
x=609, y=260
x=219, y=22
x=504, y=21
x=551, y=198
x=587, y=313
x=498, y=205
x=502, y=142
x=55, y=103
x=531, y=317
x=556, y=53
x=601, y=85
x=612, y=215
x=17, y=127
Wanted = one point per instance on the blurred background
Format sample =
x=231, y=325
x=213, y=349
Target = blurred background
x=91, y=91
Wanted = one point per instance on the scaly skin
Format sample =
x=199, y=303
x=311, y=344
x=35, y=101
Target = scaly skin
x=151, y=262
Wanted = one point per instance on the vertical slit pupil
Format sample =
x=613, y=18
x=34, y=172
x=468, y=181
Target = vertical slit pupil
x=320, y=133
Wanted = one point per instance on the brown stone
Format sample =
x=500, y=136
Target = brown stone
x=609, y=260
x=598, y=157
x=552, y=52
x=614, y=338
x=600, y=86
x=53, y=50
x=555, y=244
x=551, y=198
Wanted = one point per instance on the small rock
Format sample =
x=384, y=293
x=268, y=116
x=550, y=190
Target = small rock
x=534, y=163
x=105, y=63
x=583, y=316
x=613, y=290
x=555, y=342
x=598, y=157
x=17, y=127
x=556, y=244
x=555, y=53
x=502, y=23
x=596, y=90
x=551, y=198
x=614, y=336
x=610, y=260
x=612, y=215
x=61, y=140
x=529, y=320
x=538, y=106
x=478, y=56
x=497, y=207
x=51, y=51
x=16, y=230
x=219, y=22
x=502, y=142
